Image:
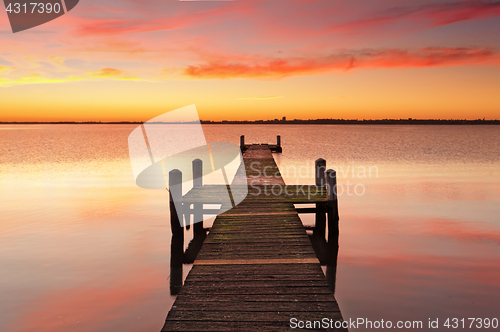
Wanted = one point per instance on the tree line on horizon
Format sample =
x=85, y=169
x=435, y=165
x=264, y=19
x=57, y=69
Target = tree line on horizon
x=285, y=121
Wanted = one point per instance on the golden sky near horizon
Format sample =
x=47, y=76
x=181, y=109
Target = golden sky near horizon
x=133, y=60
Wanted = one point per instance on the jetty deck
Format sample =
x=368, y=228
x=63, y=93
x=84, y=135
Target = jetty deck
x=257, y=268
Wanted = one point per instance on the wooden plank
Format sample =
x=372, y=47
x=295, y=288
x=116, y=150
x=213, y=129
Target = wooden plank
x=305, y=194
x=276, y=306
x=255, y=261
x=252, y=316
x=224, y=326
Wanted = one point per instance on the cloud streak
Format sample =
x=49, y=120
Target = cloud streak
x=47, y=78
x=343, y=61
x=424, y=16
x=261, y=98
x=178, y=19
x=106, y=72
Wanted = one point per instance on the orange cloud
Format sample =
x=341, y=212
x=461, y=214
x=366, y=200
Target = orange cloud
x=111, y=73
x=370, y=59
x=106, y=72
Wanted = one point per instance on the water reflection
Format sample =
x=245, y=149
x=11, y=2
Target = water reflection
x=78, y=237
x=326, y=244
x=179, y=256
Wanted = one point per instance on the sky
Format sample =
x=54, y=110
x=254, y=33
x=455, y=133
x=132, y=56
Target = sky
x=131, y=60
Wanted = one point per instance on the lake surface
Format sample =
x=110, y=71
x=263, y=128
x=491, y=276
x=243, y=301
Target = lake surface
x=83, y=248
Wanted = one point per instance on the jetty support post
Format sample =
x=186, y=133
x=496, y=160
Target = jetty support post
x=333, y=227
x=242, y=143
x=320, y=225
x=320, y=168
x=177, y=243
x=199, y=231
x=278, y=144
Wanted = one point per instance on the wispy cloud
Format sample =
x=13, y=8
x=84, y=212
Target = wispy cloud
x=423, y=16
x=261, y=98
x=112, y=73
x=150, y=21
x=344, y=61
x=36, y=79
x=106, y=72
x=37, y=75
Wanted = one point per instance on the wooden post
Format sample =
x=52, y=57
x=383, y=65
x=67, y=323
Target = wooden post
x=175, y=187
x=177, y=243
x=199, y=232
x=331, y=185
x=320, y=167
x=197, y=173
x=278, y=144
x=176, y=261
x=242, y=143
x=333, y=228
x=320, y=226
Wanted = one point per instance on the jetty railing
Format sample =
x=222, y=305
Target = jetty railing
x=274, y=148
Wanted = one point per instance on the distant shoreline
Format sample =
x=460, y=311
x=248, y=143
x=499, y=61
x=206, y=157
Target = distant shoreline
x=296, y=121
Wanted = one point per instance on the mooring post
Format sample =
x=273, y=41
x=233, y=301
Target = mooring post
x=320, y=226
x=320, y=167
x=333, y=227
x=198, y=207
x=242, y=143
x=177, y=243
x=333, y=210
x=278, y=144
x=175, y=187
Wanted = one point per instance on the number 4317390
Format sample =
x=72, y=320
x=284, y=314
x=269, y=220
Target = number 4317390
x=33, y=8
x=479, y=323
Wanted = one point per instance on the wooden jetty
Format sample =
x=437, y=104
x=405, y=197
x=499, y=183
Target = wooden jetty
x=257, y=269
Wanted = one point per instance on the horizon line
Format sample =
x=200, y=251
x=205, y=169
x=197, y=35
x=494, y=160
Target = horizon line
x=283, y=121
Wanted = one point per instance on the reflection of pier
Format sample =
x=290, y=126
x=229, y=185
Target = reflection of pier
x=256, y=269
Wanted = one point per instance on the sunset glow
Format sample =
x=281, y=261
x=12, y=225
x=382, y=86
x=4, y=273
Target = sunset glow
x=247, y=60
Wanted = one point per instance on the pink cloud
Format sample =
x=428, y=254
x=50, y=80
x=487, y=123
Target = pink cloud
x=424, y=16
x=150, y=22
x=371, y=59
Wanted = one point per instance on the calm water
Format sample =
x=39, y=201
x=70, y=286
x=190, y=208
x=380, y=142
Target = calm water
x=84, y=249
